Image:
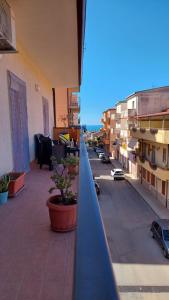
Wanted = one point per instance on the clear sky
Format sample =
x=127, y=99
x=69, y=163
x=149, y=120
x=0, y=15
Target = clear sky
x=126, y=49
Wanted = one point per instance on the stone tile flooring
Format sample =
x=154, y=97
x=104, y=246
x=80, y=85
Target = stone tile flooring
x=35, y=263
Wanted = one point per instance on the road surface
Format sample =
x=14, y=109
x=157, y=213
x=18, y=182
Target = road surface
x=141, y=270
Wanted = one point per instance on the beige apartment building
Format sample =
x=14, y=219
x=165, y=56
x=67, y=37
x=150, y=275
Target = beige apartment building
x=152, y=132
x=141, y=102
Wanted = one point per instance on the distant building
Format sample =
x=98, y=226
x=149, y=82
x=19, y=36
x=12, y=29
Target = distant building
x=108, y=120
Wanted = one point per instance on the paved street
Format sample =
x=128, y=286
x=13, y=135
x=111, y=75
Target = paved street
x=141, y=270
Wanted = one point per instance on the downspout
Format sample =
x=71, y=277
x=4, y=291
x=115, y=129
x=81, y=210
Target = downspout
x=166, y=203
x=54, y=106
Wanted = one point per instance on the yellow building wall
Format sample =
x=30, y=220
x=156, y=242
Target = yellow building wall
x=21, y=65
x=61, y=107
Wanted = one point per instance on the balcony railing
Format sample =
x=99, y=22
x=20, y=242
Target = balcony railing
x=93, y=274
x=132, y=112
x=151, y=134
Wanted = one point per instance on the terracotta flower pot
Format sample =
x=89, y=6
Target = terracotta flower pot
x=17, y=181
x=71, y=169
x=62, y=217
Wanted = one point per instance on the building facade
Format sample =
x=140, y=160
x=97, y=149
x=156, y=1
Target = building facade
x=36, y=74
x=108, y=124
x=152, y=132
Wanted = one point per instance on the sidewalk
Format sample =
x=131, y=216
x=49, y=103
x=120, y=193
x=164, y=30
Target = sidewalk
x=161, y=211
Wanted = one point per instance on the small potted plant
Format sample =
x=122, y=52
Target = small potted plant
x=17, y=182
x=62, y=206
x=4, y=183
x=71, y=162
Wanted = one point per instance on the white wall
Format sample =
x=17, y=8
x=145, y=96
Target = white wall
x=130, y=103
x=153, y=102
x=22, y=67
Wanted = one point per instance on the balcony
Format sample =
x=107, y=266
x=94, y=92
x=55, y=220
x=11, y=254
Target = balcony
x=118, y=116
x=160, y=172
x=132, y=112
x=151, y=134
x=74, y=106
x=37, y=263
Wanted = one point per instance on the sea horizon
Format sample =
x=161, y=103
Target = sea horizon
x=95, y=127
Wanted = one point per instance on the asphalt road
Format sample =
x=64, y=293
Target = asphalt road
x=141, y=270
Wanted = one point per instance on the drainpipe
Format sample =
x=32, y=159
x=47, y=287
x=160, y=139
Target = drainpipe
x=166, y=202
x=167, y=156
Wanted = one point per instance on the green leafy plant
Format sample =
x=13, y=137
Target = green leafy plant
x=4, y=183
x=63, y=182
x=71, y=160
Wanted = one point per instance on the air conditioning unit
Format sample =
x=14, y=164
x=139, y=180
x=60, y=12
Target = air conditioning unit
x=7, y=29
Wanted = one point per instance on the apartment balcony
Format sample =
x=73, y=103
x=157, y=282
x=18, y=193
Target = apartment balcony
x=159, y=171
x=151, y=134
x=118, y=116
x=132, y=112
x=37, y=263
x=74, y=106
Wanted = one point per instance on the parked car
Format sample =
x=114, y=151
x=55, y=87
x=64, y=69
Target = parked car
x=101, y=154
x=160, y=232
x=117, y=174
x=98, y=150
x=105, y=159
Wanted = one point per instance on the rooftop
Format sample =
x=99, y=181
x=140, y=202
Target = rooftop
x=152, y=90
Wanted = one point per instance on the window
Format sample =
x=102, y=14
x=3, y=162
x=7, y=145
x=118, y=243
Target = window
x=144, y=149
x=148, y=149
x=160, y=231
x=163, y=187
x=132, y=104
x=166, y=234
x=164, y=155
x=153, y=179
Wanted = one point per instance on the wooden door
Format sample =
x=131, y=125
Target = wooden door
x=19, y=123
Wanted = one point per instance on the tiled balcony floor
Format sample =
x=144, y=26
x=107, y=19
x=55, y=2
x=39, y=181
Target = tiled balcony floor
x=35, y=263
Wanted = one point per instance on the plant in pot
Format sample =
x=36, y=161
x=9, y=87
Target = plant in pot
x=62, y=206
x=4, y=183
x=71, y=162
x=17, y=182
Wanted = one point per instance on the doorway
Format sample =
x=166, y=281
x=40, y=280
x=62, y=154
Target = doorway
x=19, y=123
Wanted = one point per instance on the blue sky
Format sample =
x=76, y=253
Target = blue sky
x=126, y=49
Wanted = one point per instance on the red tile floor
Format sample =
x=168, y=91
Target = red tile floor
x=35, y=263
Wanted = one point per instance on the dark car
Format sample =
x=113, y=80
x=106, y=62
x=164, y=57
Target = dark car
x=97, y=187
x=105, y=159
x=160, y=232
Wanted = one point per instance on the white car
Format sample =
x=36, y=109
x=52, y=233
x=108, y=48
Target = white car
x=117, y=174
x=101, y=154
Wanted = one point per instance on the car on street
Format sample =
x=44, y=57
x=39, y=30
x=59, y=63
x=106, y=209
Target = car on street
x=101, y=154
x=99, y=150
x=97, y=187
x=160, y=232
x=117, y=174
x=105, y=159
